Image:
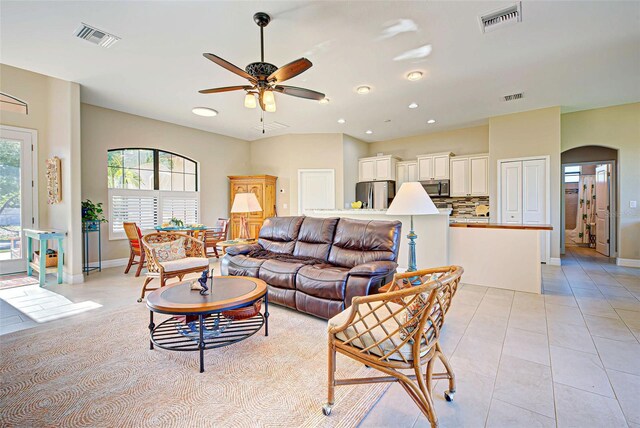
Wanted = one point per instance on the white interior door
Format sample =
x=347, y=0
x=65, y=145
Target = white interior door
x=534, y=198
x=16, y=196
x=316, y=189
x=602, y=209
x=511, y=192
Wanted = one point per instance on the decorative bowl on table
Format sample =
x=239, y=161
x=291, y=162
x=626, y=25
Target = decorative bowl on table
x=243, y=313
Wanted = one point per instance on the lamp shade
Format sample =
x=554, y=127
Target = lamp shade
x=245, y=203
x=412, y=199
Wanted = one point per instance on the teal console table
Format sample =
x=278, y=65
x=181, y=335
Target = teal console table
x=43, y=236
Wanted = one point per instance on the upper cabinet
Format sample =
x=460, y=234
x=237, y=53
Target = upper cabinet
x=434, y=166
x=378, y=168
x=406, y=171
x=470, y=175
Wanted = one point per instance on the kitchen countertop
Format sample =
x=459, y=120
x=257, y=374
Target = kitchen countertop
x=504, y=226
x=364, y=211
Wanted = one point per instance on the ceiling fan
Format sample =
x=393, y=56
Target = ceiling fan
x=265, y=78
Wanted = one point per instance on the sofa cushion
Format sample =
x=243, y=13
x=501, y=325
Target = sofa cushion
x=280, y=274
x=186, y=263
x=243, y=266
x=278, y=234
x=361, y=241
x=324, y=280
x=282, y=296
x=315, y=237
x=317, y=306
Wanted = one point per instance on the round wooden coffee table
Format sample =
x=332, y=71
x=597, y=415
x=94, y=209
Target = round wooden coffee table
x=198, y=323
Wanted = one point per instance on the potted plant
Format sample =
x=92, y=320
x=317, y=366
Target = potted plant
x=92, y=214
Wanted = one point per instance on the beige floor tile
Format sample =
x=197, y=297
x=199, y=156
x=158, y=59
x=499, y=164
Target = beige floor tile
x=476, y=355
x=575, y=337
x=580, y=409
x=621, y=356
x=598, y=307
x=632, y=320
x=534, y=321
x=627, y=389
x=525, y=384
x=505, y=415
x=609, y=328
x=395, y=408
x=564, y=314
x=579, y=370
x=561, y=299
x=625, y=303
x=526, y=345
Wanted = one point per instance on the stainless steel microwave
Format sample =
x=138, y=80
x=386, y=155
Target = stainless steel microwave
x=436, y=188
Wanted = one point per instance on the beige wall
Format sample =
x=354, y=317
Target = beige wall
x=532, y=133
x=218, y=156
x=466, y=141
x=282, y=156
x=352, y=150
x=616, y=127
x=54, y=111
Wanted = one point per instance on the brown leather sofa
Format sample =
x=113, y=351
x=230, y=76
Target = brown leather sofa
x=317, y=265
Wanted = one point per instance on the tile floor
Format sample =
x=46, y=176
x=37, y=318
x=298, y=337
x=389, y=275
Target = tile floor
x=567, y=358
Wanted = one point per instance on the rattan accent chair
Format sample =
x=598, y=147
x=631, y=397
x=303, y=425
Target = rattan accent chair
x=214, y=235
x=195, y=260
x=135, y=247
x=398, y=330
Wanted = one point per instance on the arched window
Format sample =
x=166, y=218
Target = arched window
x=150, y=187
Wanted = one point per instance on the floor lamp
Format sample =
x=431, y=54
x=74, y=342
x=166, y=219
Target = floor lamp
x=412, y=200
x=244, y=203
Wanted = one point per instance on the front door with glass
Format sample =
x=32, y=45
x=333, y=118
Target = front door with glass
x=16, y=196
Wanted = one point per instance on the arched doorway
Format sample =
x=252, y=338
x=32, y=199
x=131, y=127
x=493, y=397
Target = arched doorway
x=589, y=201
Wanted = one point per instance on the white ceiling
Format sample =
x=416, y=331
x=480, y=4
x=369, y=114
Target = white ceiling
x=577, y=55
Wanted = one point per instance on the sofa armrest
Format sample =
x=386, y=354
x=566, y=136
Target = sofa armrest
x=242, y=249
x=378, y=268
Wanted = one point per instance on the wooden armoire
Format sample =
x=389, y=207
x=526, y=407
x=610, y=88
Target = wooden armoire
x=264, y=187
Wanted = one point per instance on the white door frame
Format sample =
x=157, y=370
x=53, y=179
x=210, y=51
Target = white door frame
x=32, y=136
x=547, y=175
x=333, y=184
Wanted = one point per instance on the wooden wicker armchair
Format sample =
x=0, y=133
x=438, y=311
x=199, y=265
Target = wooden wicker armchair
x=159, y=266
x=214, y=235
x=398, y=330
x=135, y=247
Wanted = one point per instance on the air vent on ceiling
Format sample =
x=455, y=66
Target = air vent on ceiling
x=513, y=97
x=500, y=18
x=95, y=36
x=271, y=126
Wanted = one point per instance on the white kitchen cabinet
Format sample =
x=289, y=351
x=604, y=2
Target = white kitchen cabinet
x=379, y=168
x=406, y=171
x=434, y=166
x=469, y=175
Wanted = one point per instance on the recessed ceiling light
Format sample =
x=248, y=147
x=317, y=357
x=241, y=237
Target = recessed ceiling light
x=414, y=75
x=413, y=105
x=430, y=121
x=324, y=101
x=368, y=131
x=204, y=111
x=341, y=121
x=362, y=90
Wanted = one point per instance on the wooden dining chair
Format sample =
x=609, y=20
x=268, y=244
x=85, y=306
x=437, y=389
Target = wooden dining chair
x=397, y=331
x=214, y=235
x=135, y=247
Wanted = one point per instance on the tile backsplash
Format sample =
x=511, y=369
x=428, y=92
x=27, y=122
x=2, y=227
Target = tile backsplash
x=464, y=207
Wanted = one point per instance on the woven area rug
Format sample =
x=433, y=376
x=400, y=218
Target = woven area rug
x=10, y=281
x=101, y=373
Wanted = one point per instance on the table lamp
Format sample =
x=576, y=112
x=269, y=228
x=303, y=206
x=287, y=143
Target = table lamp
x=244, y=203
x=412, y=200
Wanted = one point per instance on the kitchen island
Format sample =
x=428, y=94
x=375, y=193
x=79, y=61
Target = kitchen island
x=499, y=255
x=432, y=245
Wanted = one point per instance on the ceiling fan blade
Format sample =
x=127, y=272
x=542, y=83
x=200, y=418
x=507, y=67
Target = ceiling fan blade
x=299, y=92
x=225, y=89
x=290, y=70
x=232, y=68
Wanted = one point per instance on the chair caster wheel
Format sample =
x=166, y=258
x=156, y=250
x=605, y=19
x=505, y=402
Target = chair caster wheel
x=367, y=366
x=448, y=395
x=140, y=300
x=326, y=409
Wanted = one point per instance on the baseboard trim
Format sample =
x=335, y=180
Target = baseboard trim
x=72, y=279
x=628, y=262
x=115, y=263
x=555, y=261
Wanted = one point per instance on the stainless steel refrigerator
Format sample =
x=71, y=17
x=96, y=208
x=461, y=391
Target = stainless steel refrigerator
x=375, y=194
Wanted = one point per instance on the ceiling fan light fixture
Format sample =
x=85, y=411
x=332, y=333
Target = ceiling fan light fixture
x=325, y=100
x=414, y=76
x=270, y=108
x=268, y=98
x=204, y=111
x=250, y=101
x=363, y=90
